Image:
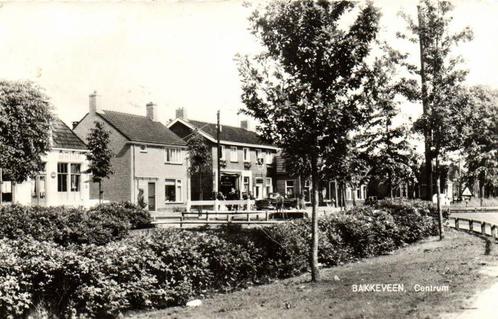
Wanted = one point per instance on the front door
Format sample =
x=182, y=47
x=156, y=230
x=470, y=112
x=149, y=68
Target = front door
x=38, y=194
x=152, y=196
x=258, y=193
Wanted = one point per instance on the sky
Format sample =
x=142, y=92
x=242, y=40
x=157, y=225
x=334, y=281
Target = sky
x=175, y=53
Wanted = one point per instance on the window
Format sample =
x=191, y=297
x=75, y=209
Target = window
x=173, y=190
x=143, y=148
x=246, y=184
x=222, y=151
x=233, y=154
x=170, y=190
x=75, y=177
x=358, y=193
x=269, y=187
x=259, y=157
x=178, y=190
x=62, y=177
x=247, y=157
x=289, y=188
x=7, y=191
x=173, y=155
x=269, y=157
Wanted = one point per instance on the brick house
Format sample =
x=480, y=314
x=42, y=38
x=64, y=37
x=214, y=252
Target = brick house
x=150, y=160
x=247, y=164
x=62, y=180
x=292, y=186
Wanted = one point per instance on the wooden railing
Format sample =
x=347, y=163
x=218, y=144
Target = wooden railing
x=213, y=217
x=239, y=204
x=472, y=209
x=482, y=227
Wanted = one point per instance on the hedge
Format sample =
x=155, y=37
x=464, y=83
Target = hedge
x=65, y=226
x=169, y=266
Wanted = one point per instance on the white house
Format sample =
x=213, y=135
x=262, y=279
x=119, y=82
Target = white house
x=62, y=181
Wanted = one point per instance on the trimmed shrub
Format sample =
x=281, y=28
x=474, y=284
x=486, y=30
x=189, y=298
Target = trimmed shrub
x=65, y=226
x=138, y=217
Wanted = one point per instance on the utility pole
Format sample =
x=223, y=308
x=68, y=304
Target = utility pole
x=218, y=147
x=427, y=131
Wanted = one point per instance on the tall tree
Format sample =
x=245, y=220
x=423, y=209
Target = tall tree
x=388, y=145
x=441, y=78
x=25, y=116
x=200, y=158
x=441, y=84
x=304, y=88
x=480, y=137
x=99, y=155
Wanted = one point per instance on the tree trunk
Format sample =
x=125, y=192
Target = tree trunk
x=201, y=195
x=1, y=184
x=353, y=193
x=343, y=194
x=439, y=212
x=481, y=188
x=315, y=273
x=100, y=192
x=13, y=190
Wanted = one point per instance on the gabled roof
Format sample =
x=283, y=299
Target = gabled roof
x=228, y=134
x=138, y=128
x=64, y=137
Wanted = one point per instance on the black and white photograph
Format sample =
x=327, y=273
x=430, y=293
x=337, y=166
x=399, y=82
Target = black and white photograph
x=249, y=159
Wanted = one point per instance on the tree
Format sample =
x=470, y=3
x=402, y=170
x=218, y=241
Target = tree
x=99, y=155
x=441, y=85
x=480, y=137
x=25, y=116
x=305, y=87
x=200, y=158
x=440, y=77
x=388, y=149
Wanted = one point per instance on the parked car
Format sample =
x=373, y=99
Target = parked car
x=274, y=202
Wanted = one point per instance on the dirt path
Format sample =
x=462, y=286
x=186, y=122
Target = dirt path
x=453, y=266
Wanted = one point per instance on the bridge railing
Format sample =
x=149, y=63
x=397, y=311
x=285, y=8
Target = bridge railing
x=215, y=217
x=482, y=226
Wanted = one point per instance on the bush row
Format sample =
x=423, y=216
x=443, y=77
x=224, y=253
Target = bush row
x=98, y=225
x=169, y=266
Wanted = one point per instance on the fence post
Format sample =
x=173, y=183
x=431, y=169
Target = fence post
x=266, y=215
x=248, y=217
x=483, y=228
x=181, y=221
x=471, y=225
x=457, y=223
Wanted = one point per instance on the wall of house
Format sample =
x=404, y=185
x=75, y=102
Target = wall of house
x=25, y=194
x=151, y=167
x=118, y=186
x=249, y=168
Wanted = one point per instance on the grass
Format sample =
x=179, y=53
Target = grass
x=457, y=262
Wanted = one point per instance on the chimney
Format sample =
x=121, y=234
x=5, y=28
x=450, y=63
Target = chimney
x=94, y=106
x=151, y=112
x=244, y=124
x=181, y=113
x=75, y=123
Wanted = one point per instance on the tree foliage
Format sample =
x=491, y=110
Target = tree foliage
x=199, y=153
x=25, y=116
x=443, y=78
x=200, y=158
x=480, y=136
x=305, y=87
x=99, y=154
